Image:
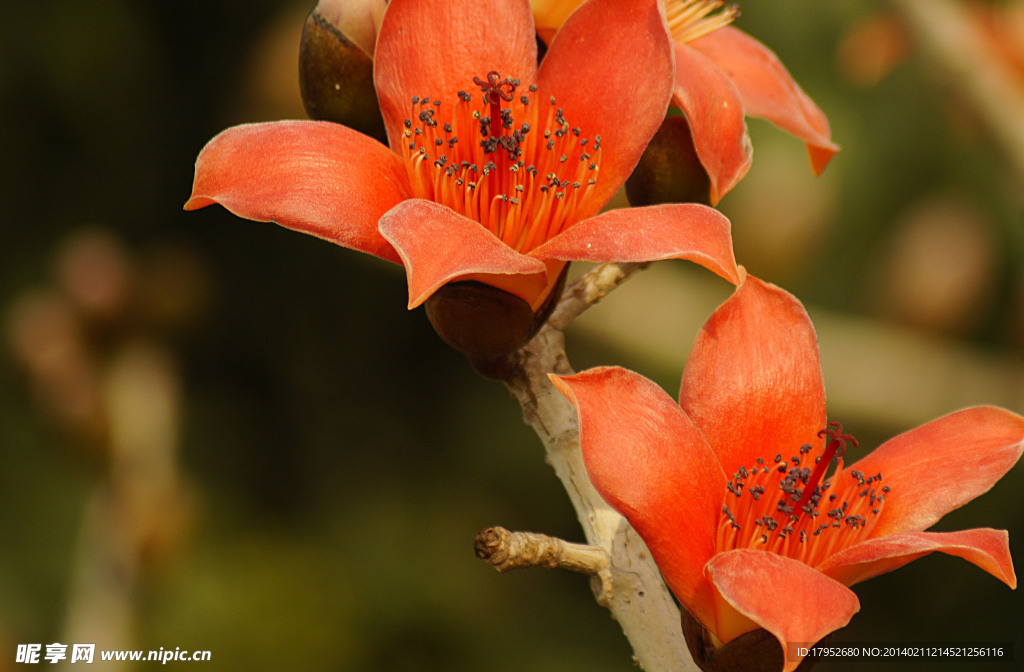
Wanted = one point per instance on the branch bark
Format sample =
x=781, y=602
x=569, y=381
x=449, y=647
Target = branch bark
x=633, y=591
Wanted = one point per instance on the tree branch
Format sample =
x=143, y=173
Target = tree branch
x=633, y=589
x=518, y=550
x=588, y=290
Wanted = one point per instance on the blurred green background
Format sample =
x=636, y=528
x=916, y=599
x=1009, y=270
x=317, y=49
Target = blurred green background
x=220, y=435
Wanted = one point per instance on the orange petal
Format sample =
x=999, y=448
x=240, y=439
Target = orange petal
x=768, y=90
x=310, y=176
x=794, y=602
x=753, y=381
x=653, y=466
x=985, y=547
x=438, y=245
x=435, y=49
x=942, y=465
x=714, y=111
x=678, y=231
x=610, y=70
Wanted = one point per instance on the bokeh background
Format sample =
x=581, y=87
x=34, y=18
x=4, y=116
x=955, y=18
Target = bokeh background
x=220, y=435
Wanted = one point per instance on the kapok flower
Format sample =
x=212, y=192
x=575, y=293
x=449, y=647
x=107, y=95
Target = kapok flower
x=496, y=167
x=722, y=74
x=729, y=490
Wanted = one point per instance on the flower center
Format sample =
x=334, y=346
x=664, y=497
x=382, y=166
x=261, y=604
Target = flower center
x=787, y=508
x=525, y=180
x=690, y=19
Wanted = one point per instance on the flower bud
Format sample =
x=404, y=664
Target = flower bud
x=336, y=64
x=487, y=324
x=669, y=170
x=755, y=651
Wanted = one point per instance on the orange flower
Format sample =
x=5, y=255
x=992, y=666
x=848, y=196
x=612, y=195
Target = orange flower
x=722, y=74
x=728, y=486
x=497, y=168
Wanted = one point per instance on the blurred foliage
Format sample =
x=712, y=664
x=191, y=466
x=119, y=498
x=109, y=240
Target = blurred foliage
x=339, y=458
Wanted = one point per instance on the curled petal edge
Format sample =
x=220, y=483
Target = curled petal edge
x=769, y=91
x=676, y=231
x=314, y=177
x=794, y=602
x=437, y=245
x=987, y=548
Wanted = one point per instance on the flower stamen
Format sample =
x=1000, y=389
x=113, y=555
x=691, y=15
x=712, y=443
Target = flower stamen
x=526, y=180
x=690, y=19
x=782, y=506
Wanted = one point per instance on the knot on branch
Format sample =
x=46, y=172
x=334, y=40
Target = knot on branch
x=515, y=550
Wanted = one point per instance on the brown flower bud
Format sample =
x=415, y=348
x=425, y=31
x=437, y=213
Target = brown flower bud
x=669, y=170
x=756, y=651
x=487, y=324
x=336, y=64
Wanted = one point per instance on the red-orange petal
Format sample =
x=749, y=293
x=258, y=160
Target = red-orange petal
x=310, y=176
x=653, y=466
x=987, y=548
x=768, y=90
x=435, y=49
x=942, y=465
x=794, y=602
x=438, y=245
x=610, y=70
x=753, y=382
x=714, y=110
x=677, y=231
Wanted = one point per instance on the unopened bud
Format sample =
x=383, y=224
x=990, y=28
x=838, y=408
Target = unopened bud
x=488, y=324
x=336, y=64
x=669, y=170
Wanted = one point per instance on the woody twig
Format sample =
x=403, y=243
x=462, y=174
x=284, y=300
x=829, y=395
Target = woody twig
x=630, y=586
